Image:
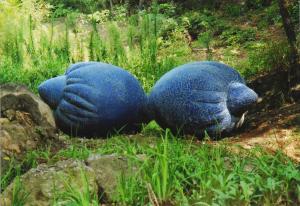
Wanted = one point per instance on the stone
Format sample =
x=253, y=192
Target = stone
x=108, y=168
x=26, y=122
x=45, y=184
x=18, y=98
x=94, y=98
x=201, y=96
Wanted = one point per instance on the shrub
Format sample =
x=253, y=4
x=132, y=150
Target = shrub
x=235, y=35
x=234, y=10
x=85, y=6
x=264, y=57
x=99, y=16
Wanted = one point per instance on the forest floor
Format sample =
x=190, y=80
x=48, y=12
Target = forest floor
x=273, y=123
x=276, y=129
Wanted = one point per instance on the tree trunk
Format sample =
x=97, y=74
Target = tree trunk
x=294, y=71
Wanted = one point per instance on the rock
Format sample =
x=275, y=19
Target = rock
x=26, y=122
x=94, y=98
x=18, y=98
x=45, y=184
x=108, y=168
x=201, y=96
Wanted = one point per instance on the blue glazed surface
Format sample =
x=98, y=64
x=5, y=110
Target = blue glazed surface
x=200, y=96
x=94, y=98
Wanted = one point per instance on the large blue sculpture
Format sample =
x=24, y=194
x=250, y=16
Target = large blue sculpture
x=201, y=96
x=94, y=98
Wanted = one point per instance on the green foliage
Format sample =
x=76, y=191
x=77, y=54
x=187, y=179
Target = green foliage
x=87, y=6
x=294, y=12
x=236, y=35
x=234, y=10
x=257, y=4
x=176, y=171
x=99, y=16
x=267, y=56
x=149, y=43
x=19, y=195
x=272, y=14
x=44, y=51
x=74, y=196
x=59, y=10
x=205, y=40
x=120, y=12
x=8, y=175
x=74, y=152
x=206, y=174
x=203, y=21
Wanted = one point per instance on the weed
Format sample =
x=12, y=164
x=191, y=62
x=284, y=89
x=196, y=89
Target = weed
x=76, y=196
x=19, y=195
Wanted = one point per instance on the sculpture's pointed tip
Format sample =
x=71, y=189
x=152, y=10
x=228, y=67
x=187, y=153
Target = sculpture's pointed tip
x=240, y=97
x=51, y=90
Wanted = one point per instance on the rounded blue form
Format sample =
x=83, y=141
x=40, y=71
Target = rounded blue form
x=201, y=96
x=94, y=98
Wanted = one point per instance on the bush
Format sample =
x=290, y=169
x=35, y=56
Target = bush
x=271, y=14
x=99, y=16
x=199, y=22
x=85, y=6
x=234, y=10
x=257, y=4
x=265, y=57
x=236, y=35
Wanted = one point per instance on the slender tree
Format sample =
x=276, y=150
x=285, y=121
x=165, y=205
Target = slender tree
x=294, y=71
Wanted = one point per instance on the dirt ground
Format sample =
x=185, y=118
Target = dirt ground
x=273, y=130
x=274, y=123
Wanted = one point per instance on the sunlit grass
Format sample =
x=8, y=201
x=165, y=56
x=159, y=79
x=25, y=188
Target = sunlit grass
x=174, y=170
x=35, y=51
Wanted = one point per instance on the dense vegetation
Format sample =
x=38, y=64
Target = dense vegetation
x=180, y=172
x=40, y=39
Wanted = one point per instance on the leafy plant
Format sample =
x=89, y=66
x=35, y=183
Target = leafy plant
x=234, y=10
x=205, y=40
x=238, y=36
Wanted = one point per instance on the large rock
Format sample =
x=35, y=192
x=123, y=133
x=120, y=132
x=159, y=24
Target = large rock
x=94, y=98
x=108, y=169
x=45, y=184
x=26, y=122
x=201, y=96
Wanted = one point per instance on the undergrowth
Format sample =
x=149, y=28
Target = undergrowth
x=174, y=171
x=35, y=46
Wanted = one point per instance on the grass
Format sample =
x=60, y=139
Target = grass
x=74, y=196
x=36, y=47
x=176, y=171
x=173, y=171
x=19, y=195
x=42, y=51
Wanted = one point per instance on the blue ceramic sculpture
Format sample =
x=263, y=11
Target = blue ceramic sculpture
x=200, y=96
x=94, y=98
